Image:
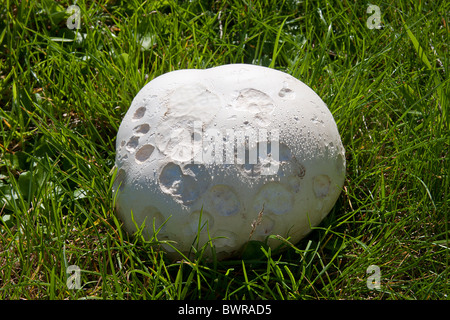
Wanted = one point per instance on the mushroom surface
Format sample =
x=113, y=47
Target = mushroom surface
x=232, y=153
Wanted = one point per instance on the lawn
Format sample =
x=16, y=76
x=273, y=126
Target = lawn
x=382, y=71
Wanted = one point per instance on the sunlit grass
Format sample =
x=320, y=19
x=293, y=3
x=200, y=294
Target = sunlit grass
x=64, y=92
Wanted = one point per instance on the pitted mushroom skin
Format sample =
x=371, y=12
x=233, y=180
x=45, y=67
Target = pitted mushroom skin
x=227, y=147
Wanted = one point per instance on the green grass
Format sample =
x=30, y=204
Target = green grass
x=63, y=95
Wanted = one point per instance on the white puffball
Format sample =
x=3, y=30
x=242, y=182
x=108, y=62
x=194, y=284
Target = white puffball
x=254, y=147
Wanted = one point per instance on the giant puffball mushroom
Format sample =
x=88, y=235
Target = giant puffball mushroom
x=232, y=153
